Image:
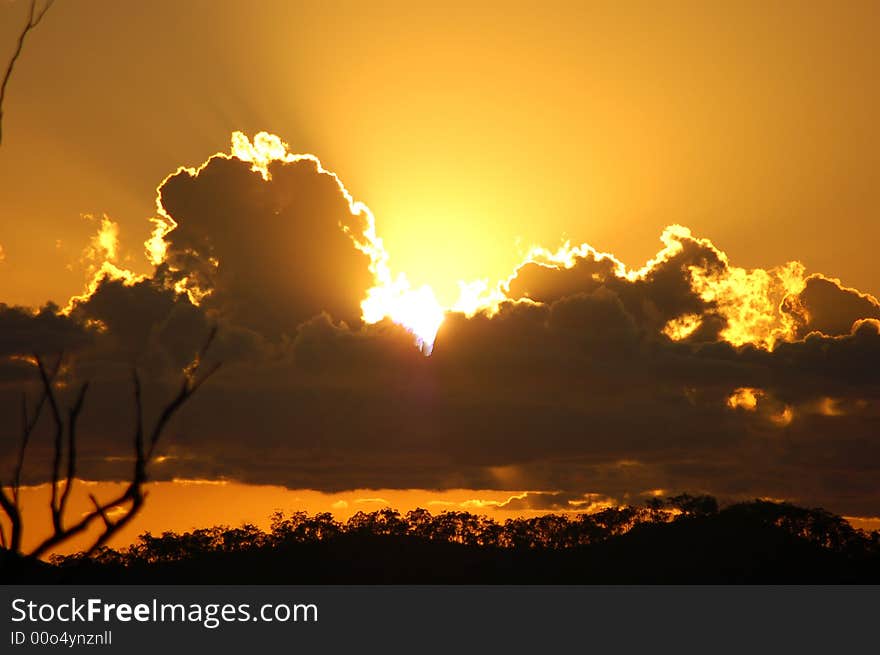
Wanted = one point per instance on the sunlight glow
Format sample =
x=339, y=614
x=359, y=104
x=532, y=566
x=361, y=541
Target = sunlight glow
x=682, y=327
x=759, y=306
x=392, y=297
x=745, y=398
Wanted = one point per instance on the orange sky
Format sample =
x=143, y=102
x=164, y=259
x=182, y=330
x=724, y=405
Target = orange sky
x=472, y=132
x=186, y=505
x=190, y=504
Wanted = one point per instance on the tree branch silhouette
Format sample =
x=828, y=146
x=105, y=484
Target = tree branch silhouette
x=34, y=18
x=130, y=501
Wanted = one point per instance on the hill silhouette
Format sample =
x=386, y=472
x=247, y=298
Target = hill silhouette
x=683, y=540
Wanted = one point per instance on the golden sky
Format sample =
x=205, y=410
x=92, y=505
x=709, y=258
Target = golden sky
x=185, y=505
x=727, y=155
x=182, y=506
x=472, y=130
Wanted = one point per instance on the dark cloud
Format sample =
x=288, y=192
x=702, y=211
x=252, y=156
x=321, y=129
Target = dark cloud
x=550, y=500
x=828, y=307
x=26, y=332
x=665, y=292
x=516, y=402
x=272, y=252
x=145, y=322
x=594, y=320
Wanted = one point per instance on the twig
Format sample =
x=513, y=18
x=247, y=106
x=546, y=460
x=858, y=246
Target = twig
x=34, y=18
x=134, y=494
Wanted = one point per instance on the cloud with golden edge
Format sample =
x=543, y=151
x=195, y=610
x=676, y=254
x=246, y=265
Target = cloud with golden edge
x=761, y=307
x=575, y=374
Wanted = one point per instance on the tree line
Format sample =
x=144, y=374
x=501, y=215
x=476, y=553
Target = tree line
x=816, y=527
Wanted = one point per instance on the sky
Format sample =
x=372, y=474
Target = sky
x=472, y=130
x=719, y=333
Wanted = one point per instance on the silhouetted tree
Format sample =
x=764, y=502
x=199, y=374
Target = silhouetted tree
x=692, y=506
x=64, y=421
x=815, y=525
x=419, y=521
x=300, y=527
x=657, y=511
x=381, y=522
x=758, y=541
x=616, y=520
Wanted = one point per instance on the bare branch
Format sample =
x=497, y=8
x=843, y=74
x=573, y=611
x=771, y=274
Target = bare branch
x=27, y=427
x=73, y=416
x=137, y=503
x=11, y=505
x=132, y=499
x=14, y=514
x=187, y=389
x=25, y=437
x=102, y=511
x=59, y=443
x=134, y=494
x=34, y=18
x=78, y=527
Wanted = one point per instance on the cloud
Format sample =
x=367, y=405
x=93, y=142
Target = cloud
x=555, y=501
x=24, y=332
x=577, y=377
x=104, y=246
x=660, y=292
x=271, y=252
x=827, y=307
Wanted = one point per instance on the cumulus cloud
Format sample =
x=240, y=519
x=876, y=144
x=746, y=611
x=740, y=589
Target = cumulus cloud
x=270, y=251
x=827, y=307
x=578, y=378
x=661, y=292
